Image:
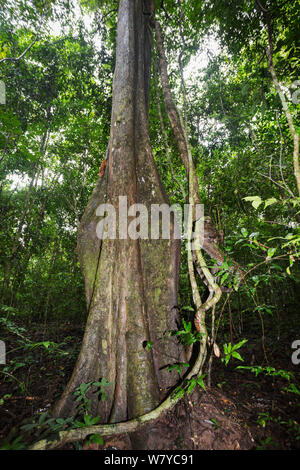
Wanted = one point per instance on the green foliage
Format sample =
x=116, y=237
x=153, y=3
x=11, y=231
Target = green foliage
x=87, y=421
x=16, y=444
x=268, y=370
x=189, y=385
x=98, y=388
x=54, y=130
x=178, y=367
x=273, y=372
x=94, y=439
x=230, y=351
x=266, y=418
x=5, y=397
x=186, y=335
x=292, y=388
x=149, y=345
x=45, y=426
x=266, y=443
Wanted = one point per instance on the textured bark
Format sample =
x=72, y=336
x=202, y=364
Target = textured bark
x=131, y=285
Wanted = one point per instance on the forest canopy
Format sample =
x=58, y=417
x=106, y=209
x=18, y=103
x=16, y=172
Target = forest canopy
x=186, y=103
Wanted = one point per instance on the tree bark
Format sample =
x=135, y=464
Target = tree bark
x=131, y=285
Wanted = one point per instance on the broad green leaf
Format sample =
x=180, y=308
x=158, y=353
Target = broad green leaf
x=255, y=200
x=270, y=201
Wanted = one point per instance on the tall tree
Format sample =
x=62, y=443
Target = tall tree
x=131, y=285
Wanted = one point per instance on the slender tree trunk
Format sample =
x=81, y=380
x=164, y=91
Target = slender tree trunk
x=131, y=285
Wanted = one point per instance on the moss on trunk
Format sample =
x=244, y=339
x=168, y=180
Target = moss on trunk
x=131, y=285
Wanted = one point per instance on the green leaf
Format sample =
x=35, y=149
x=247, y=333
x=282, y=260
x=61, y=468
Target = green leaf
x=224, y=277
x=292, y=389
x=237, y=355
x=256, y=201
x=201, y=382
x=149, y=345
x=191, y=386
x=271, y=252
x=189, y=308
x=270, y=201
x=96, y=439
x=240, y=344
x=178, y=367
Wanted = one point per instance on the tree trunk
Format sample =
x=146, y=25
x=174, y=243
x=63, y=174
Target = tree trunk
x=131, y=285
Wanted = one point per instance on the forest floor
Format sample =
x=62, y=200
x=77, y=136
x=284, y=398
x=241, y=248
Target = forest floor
x=35, y=375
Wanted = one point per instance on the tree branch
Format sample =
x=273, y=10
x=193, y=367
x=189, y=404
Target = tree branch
x=164, y=10
x=16, y=59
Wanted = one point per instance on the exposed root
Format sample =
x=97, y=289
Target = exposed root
x=130, y=426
